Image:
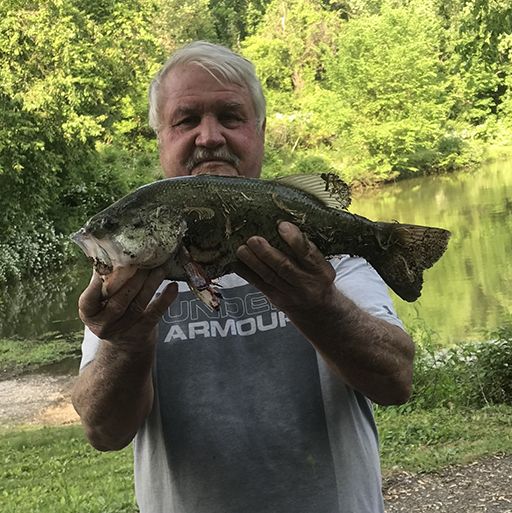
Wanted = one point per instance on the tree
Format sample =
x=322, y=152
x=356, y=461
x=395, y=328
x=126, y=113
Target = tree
x=66, y=76
x=388, y=74
x=290, y=44
x=475, y=32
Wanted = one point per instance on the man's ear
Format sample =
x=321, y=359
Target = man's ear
x=263, y=128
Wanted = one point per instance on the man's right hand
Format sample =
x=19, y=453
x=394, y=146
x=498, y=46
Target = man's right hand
x=114, y=393
x=128, y=318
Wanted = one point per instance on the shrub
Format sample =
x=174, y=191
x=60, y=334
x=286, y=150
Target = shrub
x=35, y=248
x=468, y=375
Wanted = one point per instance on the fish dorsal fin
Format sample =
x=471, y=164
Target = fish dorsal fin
x=328, y=188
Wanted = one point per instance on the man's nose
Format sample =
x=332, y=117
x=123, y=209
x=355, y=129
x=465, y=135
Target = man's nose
x=210, y=133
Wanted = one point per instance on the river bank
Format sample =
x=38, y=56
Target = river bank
x=449, y=450
x=484, y=485
x=37, y=399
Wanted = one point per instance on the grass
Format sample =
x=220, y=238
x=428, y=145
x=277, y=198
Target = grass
x=21, y=356
x=54, y=470
x=427, y=440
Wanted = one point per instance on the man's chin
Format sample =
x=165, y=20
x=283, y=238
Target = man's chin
x=215, y=168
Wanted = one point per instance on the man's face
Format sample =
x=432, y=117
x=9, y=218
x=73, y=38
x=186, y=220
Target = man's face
x=207, y=127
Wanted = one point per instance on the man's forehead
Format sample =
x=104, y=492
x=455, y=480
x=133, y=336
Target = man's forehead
x=186, y=105
x=192, y=76
x=192, y=87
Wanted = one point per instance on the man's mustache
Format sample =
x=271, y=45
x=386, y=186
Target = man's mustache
x=202, y=155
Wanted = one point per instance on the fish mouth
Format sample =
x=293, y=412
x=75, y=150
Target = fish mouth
x=78, y=238
x=92, y=247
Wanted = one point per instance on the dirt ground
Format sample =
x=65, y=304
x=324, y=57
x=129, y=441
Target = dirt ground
x=37, y=399
x=484, y=486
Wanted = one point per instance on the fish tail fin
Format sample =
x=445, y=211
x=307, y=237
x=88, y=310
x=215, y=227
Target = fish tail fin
x=405, y=251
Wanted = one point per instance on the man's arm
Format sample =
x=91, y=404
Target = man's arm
x=114, y=393
x=370, y=355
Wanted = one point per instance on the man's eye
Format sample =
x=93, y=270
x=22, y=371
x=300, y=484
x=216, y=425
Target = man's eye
x=187, y=121
x=231, y=118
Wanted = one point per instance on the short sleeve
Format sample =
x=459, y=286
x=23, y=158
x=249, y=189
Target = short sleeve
x=90, y=345
x=359, y=281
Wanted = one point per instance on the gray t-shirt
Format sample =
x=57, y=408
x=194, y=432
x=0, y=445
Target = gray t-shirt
x=248, y=418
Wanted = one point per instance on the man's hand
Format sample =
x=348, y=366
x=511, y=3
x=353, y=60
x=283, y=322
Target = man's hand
x=296, y=283
x=369, y=354
x=128, y=318
x=114, y=393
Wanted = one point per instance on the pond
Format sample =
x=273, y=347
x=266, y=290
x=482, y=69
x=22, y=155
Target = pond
x=469, y=291
x=466, y=294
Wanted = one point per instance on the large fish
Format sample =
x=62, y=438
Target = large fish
x=195, y=224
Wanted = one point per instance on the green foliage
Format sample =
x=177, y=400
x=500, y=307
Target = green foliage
x=377, y=86
x=294, y=36
x=36, y=247
x=475, y=52
x=69, y=71
x=20, y=356
x=469, y=375
x=505, y=106
x=397, y=111
x=235, y=19
x=227, y=22
x=289, y=50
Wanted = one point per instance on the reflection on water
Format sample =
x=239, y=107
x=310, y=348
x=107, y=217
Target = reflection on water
x=469, y=291
x=43, y=304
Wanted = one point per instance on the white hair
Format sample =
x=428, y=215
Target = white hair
x=222, y=63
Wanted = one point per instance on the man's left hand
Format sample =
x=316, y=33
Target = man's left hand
x=294, y=283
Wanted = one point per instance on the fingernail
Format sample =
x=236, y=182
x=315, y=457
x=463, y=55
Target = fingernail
x=284, y=227
x=255, y=242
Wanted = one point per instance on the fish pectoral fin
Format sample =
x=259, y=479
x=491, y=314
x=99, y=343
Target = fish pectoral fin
x=198, y=281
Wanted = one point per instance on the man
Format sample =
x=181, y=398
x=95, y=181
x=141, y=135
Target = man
x=263, y=406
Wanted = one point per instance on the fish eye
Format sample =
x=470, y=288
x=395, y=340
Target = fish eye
x=108, y=223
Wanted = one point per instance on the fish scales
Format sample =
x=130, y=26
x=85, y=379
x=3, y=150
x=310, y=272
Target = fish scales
x=195, y=225
x=245, y=207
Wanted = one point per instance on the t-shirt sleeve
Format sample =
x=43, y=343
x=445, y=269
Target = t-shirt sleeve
x=90, y=345
x=360, y=282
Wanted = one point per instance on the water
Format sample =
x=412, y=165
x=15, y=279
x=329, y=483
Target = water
x=469, y=291
x=466, y=294
x=44, y=304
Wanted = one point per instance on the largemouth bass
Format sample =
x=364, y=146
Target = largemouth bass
x=195, y=224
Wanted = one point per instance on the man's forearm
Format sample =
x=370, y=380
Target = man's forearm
x=371, y=355
x=113, y=395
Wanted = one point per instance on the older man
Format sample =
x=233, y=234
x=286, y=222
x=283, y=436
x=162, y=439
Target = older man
x=265, y=405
